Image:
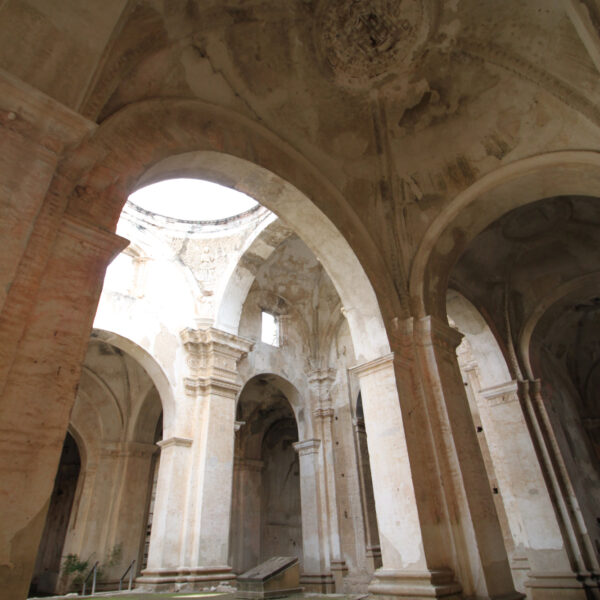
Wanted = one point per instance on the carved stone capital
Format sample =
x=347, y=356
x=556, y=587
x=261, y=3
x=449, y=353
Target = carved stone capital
x=212, y=357
x=324, y=413
x=196, y=387
x=431, y=331
x=306, y=447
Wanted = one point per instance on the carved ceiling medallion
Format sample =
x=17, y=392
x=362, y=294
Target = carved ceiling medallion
x=363, y=39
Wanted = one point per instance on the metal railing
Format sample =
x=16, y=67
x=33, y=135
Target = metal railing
x=130, y=571
x=94, y=571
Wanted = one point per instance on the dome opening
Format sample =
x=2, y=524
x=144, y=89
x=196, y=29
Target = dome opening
x=192, y=200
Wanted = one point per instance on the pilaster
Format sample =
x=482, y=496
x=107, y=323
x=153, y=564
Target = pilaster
x=405, y=571
x=525, y=488
x=316, y=575
x=212, y=384
x=320, y=381
x=464, y=469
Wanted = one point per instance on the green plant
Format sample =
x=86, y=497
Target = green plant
x=74, y=568
x=114, y=555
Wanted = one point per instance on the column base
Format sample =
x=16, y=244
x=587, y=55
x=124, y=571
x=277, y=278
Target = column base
x=374, y=556
x=319, y=583
x=519, y=565
x=184, y=579
x=339, y=570
x=391, y=584
x=561, y=586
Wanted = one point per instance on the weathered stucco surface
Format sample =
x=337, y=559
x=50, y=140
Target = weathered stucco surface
x=429, y=167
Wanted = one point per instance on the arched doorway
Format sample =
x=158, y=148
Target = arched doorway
x=266, y=512
x=49, y=559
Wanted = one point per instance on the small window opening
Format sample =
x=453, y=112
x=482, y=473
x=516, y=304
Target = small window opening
x=270, y=329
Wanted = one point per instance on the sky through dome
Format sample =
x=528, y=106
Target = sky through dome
x=192, y=200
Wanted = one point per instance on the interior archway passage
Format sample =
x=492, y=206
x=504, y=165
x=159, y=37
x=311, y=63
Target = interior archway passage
x=49, y=559
x=266, y=512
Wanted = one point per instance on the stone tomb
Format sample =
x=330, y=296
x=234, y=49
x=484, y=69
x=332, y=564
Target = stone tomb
x=275, y=578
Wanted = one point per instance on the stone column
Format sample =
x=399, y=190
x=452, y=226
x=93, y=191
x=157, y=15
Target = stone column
x=574, y=525
x=44, y=331
x=202, y=533
x=164, y=555
x=246, y=514
x=129, y=524
x=320, y=381
x=413, y=558
x=367, y=498
x=522, y=484
x=472, y=514
x=316, y=575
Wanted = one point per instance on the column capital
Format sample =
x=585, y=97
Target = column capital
x=306, y=447
x=359, y=425
x=373, y=366
x=174, y=441
x=431, y=330
x=591, y=423
x=248, y=464
x=323, y=413
x=321, y=376
x=34, y=115
x=501, y=393
x=198, y=386
x=99, y=240
x=212, y=358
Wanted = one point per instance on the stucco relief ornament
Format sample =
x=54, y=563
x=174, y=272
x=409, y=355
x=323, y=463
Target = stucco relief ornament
x=362, y=40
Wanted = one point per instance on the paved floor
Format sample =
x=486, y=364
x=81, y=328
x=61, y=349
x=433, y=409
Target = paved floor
x=144, y=596
x=133, y=595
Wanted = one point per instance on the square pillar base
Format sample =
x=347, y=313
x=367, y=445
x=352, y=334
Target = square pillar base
x=558, y=586
x=318, y=583
x=185, y=579
x=389, y=584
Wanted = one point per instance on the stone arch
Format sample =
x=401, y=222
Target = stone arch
x=267, y=469
x=144, y=423
x=150, y=365
x=97, y=398
x=493, y=367
x=233, y=293
x=470, y=212
x=566, y=293
x=157, y=139
x=292, y=395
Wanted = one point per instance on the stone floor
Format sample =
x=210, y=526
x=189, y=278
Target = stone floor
x=133, y=595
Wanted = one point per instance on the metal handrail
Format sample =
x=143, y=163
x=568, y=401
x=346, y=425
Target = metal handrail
x=130, y=571
x=93, y=570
